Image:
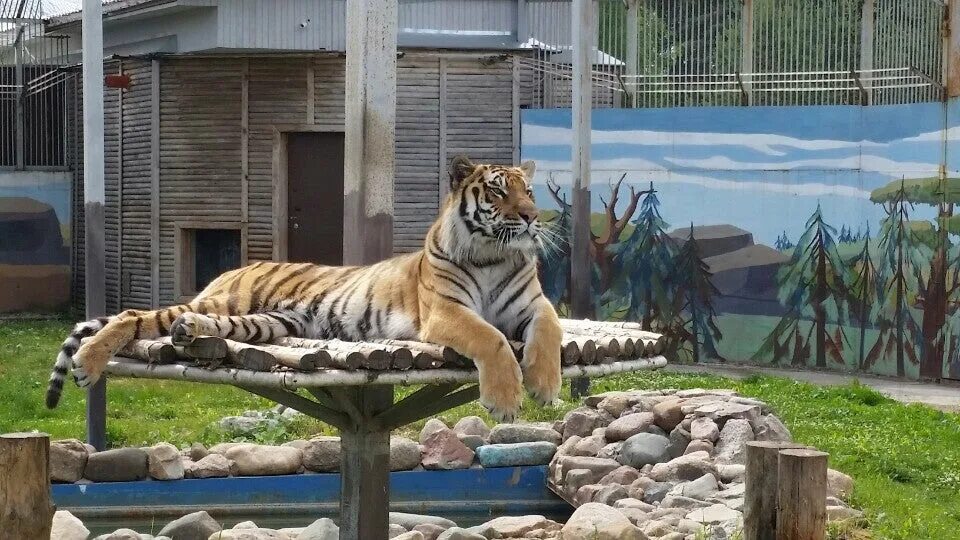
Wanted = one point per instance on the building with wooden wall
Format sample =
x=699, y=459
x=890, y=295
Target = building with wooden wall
x=226, y=147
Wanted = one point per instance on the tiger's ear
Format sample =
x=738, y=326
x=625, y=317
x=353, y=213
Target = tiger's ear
x=460, y=168
x=528, y=168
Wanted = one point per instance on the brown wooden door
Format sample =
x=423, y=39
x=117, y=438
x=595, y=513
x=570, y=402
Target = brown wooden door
x=315, y=198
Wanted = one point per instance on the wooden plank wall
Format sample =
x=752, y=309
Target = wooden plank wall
x=111, y=184
x=446, y=104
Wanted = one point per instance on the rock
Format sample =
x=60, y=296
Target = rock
x=731, y=448
x=577, y=478
x=839, y=485
x=633, y=503
x=195, y=526
x=212, y=466
x=704, y=428
x=623, y=476
x=472, y=441
x=637, y=487
x=770, y=428
x=164, y=462
x=472, y=425
x=404, y=454
x=250, y=534
x=198, y=451
x=732, y=473
x=596, y=521
x=246, y=424
x=246, y=525
x=586, y=494
x=581, y=421
x=68, y=458
x=321, y=529
x=679, y=440
x=589, y=446
x=684, y=468
x=510, y=527
x=120, y=465
x=297, y=443
x=521, y=433
x=764, y=408
x=394, y=531
x=714, y=514
x=611, y=451
x=699, y=446
x=656, y=528
x=610, y=494
x=615, y=404
x=322, y=454
x=644, y=448
x=410, y=521
x=120, y=534
x=598, y=466
x=567, y=447
x=443, y=450
x=221, y=448
x=430, y=531
x=66, y=526
x=624, y=427
x=667, y=414
x=432, y=426
x=412, y=535
x=514, y=455
x=842, y=513
x=723, y=411
x=657, y=431
x=456, y=533
x=656, y=492
x=701, y=488
x=262, y=460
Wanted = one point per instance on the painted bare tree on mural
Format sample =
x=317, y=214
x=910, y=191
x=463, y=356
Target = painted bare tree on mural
x=694, y=293
x=646, y=259
x=812, y=285
x=951, y=328
x=901, y=262
x=555, y=259
x=943, y=194
x=863, y=294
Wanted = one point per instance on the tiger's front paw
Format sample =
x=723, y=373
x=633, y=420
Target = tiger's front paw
x=541, y=371
x=186, y=328
x=501, y=387
x=88, y=364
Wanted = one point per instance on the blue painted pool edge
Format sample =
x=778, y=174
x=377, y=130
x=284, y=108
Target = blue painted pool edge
x=488, y=492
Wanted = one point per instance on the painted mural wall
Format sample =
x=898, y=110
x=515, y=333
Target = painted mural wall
x=800, y=236
x=34, y=241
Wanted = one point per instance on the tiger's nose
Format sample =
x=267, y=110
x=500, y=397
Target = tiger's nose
x=528, y=215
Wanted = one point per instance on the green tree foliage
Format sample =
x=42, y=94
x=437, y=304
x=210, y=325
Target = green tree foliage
x=863, y=293
x=812, y=286
x=695, y=323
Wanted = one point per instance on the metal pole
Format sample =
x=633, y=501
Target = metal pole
x=746, y=49
x=21, y=147
x=581, y=296
x=866, y=49
x=632, y=53
x=93, y=201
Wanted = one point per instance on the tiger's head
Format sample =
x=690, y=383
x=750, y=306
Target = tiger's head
x=492, y=210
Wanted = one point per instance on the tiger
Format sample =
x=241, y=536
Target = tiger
x=473, y=287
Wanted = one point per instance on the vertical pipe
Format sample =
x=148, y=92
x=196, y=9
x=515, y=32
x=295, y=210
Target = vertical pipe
x=93, y=201
x=746, y=47
x=866, y=48
x=19, y=100
x=632, y=52
x=951, y=54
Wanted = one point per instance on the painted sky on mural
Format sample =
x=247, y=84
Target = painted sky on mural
x=763, y=169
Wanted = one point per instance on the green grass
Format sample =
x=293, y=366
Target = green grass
x=905, y=459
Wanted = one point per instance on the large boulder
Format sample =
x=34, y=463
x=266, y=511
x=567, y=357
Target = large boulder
x=442, y=449
x=67, y=460
x=262, y=460
x=322, y=454
x=644, y=449
x=472, y=425
x=514, y=455
x=581, y=421
x=409, y=521
x=522, y=433
x=432, y=426
x=120, y=465
x=404, y=454
x=211, y=466
x=66, y=526
x=597, y=521
x=321, y=529
x=164, y=462
x=628, y=425
x=731, y=448
x=195, y=526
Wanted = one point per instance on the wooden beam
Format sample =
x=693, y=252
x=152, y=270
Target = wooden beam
x=370, y=129
x=155, y=183
x=952, y=49
x=245, y=141
x=25, y=508
x=297, y=402
x=94, y=198
x=120, y=257
x=442, y=106
x=430, y=408
x=802, y=495
x=413, y=402
x=515, y=128
x=365, y=468
x=311, y=92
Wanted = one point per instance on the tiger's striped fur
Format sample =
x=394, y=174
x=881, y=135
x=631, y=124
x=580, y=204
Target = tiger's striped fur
x=473, y=286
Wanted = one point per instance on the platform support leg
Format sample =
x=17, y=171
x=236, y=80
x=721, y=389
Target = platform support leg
x=365, y=468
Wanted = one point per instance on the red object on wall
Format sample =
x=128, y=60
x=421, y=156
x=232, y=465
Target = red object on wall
x=117, y=81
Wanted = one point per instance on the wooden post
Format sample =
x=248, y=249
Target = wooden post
x=93, y=201
x=18, y=104
x=760, y=502
x=581, y=296
x=370, y=126
x=25, y=509
x=951, y=57
x=866, y=48
x=802, y=495
x=365, y=466
x=746, y=48
x=633, y=51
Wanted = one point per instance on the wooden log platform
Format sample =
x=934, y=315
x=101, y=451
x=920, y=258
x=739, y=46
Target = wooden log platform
x=585, y=343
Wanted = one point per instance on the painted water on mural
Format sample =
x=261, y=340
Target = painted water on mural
x=34, y=240
x=824, y=236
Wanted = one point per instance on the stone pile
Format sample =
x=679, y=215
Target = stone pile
x=670, y=462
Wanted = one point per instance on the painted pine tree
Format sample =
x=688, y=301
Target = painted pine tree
x=863, y=293
x=646, y=257
x=695, y=322
x=812, y=286
x=555, y=256
x=950, y=335
x=901, y=261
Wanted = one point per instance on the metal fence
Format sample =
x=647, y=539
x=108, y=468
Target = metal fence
x=35, y=89
x=670, y=53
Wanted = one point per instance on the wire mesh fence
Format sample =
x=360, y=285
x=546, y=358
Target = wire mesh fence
x=675, y=53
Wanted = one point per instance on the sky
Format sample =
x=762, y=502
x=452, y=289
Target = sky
x=763, y=169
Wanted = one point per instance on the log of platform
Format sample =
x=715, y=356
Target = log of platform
x=201, y=348
x=423, y=353
x=151, y=352
x=25, y=509
x=343, y=354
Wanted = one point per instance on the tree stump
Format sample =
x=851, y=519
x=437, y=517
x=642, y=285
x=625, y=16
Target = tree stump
x=760, y=499
x=802, y=495
x=25, y=509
